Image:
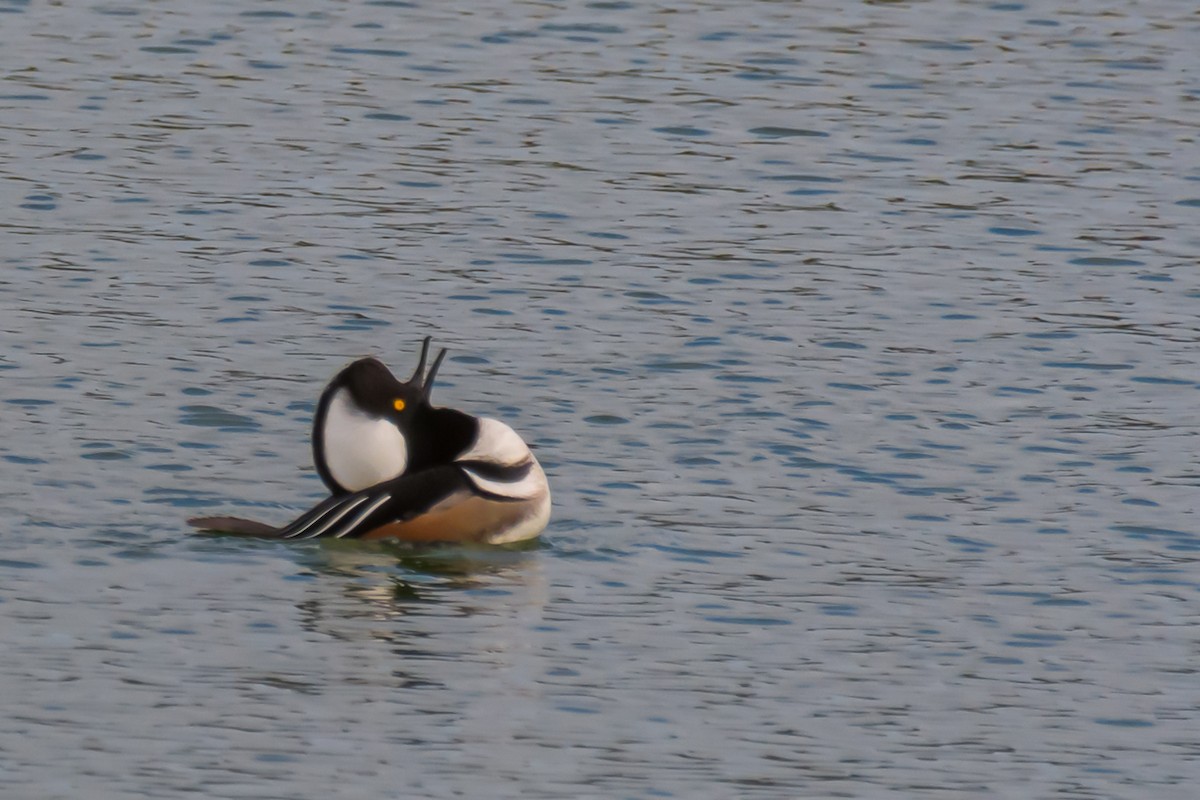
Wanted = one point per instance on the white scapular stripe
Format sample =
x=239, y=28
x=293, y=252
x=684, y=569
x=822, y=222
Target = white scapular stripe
x=308, y=533
x=366, y=513
x=361, y=450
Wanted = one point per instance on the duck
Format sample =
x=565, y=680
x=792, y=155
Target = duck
x=399, y=468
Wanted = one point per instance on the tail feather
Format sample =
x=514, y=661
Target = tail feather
x=233, y=525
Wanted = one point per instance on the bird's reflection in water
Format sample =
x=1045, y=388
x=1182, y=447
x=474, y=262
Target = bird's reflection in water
x=361, y=590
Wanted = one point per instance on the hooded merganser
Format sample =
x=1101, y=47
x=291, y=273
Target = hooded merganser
x=399, y=468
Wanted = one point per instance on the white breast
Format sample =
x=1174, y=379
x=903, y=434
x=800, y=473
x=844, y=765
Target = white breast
x=496, y=443
x=360, y=450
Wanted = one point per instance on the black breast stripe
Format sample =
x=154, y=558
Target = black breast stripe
x=352, y=515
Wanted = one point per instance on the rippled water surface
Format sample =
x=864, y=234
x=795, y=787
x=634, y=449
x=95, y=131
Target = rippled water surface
x=858, y=340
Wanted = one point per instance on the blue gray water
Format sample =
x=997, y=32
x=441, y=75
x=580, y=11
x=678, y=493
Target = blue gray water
x=858, y=340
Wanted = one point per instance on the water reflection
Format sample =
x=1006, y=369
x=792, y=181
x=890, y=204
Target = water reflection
x=350, y=586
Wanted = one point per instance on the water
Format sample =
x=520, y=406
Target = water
x=858, y=341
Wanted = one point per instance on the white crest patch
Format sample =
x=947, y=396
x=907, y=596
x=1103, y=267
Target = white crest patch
x=496, y=443
x=361, y=450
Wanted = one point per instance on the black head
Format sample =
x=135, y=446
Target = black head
x=430, y=435
x=376, y=392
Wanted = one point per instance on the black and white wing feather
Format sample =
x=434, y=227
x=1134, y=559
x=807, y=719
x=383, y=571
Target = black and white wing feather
x=353, y=515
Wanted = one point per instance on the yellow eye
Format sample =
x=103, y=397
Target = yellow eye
x=398, y=404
